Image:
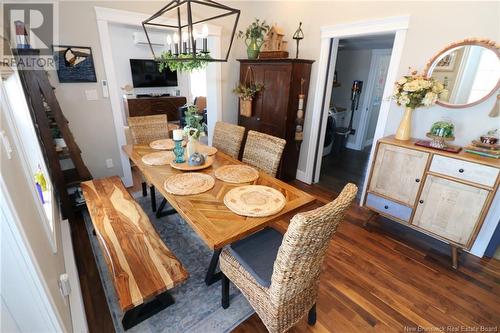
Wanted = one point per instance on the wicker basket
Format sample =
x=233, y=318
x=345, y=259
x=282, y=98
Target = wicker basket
x=246, y=107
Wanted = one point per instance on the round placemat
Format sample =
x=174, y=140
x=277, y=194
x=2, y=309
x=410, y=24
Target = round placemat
x=189, y=183
x=209, y=150
x=236, y=173
x=186, y=167
x=254, y=200
x=158, y=158
x=164, y=144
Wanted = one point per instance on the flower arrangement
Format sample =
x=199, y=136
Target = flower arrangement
x=173, y=62
x=195, y=127
x=415, y=90
x=247, y=93
x=256, y=30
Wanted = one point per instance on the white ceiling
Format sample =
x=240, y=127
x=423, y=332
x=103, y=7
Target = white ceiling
x=367, y=42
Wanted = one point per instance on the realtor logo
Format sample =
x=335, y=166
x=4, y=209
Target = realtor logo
x=29, y=25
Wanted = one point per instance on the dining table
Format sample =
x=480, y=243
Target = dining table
x=206, y=212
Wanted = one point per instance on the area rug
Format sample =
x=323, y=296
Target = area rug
x=197, y=306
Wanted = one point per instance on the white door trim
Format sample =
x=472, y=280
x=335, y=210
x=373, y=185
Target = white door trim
x=397, y=25
x=365, y=116
x=29, y=275
x=104, y=17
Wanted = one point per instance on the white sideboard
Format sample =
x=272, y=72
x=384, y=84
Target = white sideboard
x=442, y=194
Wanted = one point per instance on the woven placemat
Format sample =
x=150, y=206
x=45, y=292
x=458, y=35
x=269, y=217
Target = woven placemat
x=186, y=167
x=236, y=173
x=189, y=183
x=204, y=149
x=158, y=158
x=164, y=144
x=254, y=200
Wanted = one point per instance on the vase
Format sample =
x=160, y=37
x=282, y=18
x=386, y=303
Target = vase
x=246, y=107
x=404, y=131
x=192, y=146
x=253, y=48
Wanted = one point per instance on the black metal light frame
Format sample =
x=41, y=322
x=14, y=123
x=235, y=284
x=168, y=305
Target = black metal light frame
x=175, y=5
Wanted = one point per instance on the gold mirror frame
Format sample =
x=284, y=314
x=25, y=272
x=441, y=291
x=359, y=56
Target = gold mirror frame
x=486, y=43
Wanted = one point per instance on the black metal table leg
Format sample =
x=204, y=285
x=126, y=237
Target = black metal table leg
x=161, y=213
x=153, y=198
x=142, y=312
x=211, y=276
x=144, y=189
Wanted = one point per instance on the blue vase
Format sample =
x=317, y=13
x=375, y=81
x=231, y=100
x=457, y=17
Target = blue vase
x=179, y=151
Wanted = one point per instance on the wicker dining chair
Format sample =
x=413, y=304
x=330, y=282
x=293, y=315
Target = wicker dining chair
x=263, y=151
x=279, y=274
x=227, y=138
x=143, y=130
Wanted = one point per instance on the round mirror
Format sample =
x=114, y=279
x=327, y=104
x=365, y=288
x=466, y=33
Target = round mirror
x=469, y=70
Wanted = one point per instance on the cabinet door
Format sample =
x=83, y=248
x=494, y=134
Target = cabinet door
x=397, y=173
x=271, y=104
x=449, y=209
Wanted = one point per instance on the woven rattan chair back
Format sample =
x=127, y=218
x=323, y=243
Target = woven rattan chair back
x=227, y=138
x=263, y=151
x=145, y=129
x=298, y=263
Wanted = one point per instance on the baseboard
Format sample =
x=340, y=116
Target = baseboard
x=78, y=318
x=351, y=145
x=301, y=175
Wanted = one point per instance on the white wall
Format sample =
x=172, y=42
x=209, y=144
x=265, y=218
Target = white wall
x=432, y=26
x=352, y=65
x=124, y=49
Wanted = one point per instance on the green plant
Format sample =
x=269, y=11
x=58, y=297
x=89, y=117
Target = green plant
x=256, y=30
x=195, y=127
x=174, y=63
x=248, y=92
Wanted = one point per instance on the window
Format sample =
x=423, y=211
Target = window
x=14, y=102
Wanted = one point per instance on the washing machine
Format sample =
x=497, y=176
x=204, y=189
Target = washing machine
x=335, y=119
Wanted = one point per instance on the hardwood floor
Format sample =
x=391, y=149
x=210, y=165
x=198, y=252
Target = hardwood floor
x=382, y=278
x=348, y=167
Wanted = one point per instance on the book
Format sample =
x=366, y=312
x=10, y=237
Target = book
x=482, y=153
x=484, y=150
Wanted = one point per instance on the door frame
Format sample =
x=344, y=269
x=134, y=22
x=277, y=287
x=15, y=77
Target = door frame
x=397, y=25
x=365, y=116
x=107, y=16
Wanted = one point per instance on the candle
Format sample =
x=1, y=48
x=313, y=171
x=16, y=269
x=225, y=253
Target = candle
x=204, y=35
x=176, y=43
x=178, y=134
x=185, y=37
x=169, y=43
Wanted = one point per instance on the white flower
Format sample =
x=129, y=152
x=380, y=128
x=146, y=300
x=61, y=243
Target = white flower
x=430, y=98
x=403, y=99
x=437, y=87
x=411, y=86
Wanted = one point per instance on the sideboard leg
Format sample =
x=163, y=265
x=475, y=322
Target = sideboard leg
x=454, y=256
x=372, y=217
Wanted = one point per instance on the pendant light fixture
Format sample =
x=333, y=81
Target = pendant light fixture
x=187, y=22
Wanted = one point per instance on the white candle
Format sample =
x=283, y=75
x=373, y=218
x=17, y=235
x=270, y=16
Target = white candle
x=178, y=134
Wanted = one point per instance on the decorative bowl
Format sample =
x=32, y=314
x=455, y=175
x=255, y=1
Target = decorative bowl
x=196, y=159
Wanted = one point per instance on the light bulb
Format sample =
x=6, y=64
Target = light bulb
x=204, y=31
x=176, y=38
x=169, y=40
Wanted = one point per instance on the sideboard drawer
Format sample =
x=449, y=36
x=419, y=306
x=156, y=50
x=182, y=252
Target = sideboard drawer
x=388, y=207
x=473, y=172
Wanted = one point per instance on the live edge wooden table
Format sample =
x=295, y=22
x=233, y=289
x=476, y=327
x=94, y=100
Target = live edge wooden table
x=206, y=213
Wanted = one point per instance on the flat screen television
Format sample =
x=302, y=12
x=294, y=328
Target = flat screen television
x=145, y=74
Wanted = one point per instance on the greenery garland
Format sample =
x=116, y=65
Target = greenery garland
x=173, y=62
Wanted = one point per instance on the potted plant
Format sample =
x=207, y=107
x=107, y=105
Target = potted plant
x=413, y=91
x=254, y=37
x=246, y=93
x=194, y=128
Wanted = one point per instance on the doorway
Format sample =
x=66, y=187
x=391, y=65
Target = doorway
x=357, y=90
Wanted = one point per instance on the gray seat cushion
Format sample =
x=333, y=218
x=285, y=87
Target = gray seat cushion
x=257, y=254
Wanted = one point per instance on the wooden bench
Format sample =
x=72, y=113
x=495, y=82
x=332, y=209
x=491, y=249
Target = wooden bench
x=142, y=268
